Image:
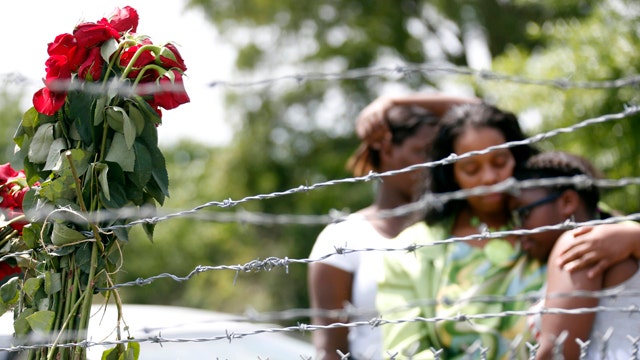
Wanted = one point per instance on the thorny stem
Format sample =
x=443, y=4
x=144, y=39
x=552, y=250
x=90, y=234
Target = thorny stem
x=114, y=58
x=85, y=297
x=69, y=315
x=135, y=57
x=96, y=233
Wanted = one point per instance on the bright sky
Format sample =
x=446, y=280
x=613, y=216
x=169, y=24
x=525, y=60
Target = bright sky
x=29, y=25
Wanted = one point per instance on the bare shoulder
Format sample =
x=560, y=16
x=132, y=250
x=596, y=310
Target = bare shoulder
x=565, y=241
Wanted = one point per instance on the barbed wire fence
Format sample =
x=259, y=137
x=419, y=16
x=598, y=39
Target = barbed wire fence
x=376, y=318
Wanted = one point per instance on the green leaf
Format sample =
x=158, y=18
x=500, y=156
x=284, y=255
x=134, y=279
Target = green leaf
x=19, y=136
x=9, y=291
x=149, y=228
x=162, y=179
x=137, y=118
x=133, y=351
x=41, y=321
x=54, y=158
x=30, y=121
x=83, y=257
x=29, y=235
x=133, y=193
x=149, y=113
x=153, y=189
x=31, y=286
x=62, y=188
x=121, y=233
x=41, y=143
x=52, y=282
x=115, y=118
x=80, y=158
x=101, y=104
x=116, y=180
x=22, y=145
x=120, y=153
x=62, y=251
x=84, y=131
x=129, y=129
x=74, y=134
x=20, y=324
x=108, y=48
x=43, y=303
x=149, y=134
x=113, y=353
x=159, y=173
x=63, y=235
x=81, y=105
x=4, y=307
x=31, y=170
x=143, y=166
x=103, y=179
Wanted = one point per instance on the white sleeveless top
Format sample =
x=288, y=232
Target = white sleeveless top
x=365, y=342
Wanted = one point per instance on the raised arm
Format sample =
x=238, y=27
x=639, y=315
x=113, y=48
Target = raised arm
x=370, y=124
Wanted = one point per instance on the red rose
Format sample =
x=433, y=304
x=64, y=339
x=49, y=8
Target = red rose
x=7, y=270
x=91, y=68
x=10, y=199
x=6, y=173
x=94, y=34
x=13, y=187
x=125, y=19
x=170, y=57
x=17, y=225
x=57, y=69
x=50, y=99
x=172, y=92
x=66, y=45
x=48, y=102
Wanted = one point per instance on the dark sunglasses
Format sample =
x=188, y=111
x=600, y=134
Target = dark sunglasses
x=519, y=215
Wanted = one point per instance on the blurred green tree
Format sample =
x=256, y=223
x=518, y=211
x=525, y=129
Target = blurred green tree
x=11, y=93
x=604, y=46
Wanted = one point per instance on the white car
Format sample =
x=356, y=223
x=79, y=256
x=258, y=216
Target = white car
x=191, y=332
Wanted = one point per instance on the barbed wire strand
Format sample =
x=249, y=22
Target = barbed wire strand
x=428, y=201
x=403, y=70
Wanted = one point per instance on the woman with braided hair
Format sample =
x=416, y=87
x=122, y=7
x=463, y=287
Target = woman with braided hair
x=338, y=280
x=543, y=206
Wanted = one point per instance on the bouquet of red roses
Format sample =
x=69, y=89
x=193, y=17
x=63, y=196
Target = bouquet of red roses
x=108, y=50
x=90, y=149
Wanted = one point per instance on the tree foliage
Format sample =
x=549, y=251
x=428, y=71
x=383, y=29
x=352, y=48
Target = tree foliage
x=10, y=115
x=602, y=47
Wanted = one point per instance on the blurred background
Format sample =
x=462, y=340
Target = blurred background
x=263, y=118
